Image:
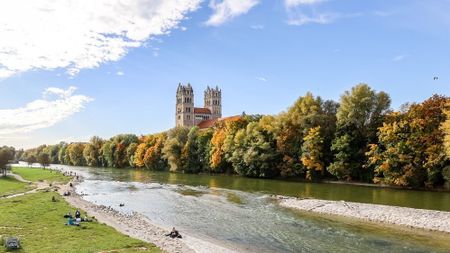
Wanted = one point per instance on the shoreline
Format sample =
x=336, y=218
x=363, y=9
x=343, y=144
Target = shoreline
x=431, y=220
x=140, y=227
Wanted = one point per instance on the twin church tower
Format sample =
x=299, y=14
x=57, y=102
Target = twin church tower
x=187, y=115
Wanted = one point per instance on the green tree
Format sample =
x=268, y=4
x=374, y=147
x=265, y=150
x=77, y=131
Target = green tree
x=254, y=152
x=344, y=164
x=75, y=153
x=6, y=155
x=31, y=159
x=62, y=154
x=92, y=152
x=44, y=159
x=204, y=148
x=190, y=157
x=173, y=147
x=361, y=112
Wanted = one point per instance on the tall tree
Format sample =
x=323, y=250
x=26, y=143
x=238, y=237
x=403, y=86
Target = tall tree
x=44, y=159
x=6, y=155
x=312, y=153
x=446, y=129
x=75, y=153
x=31, y=159
x=173, y=147
x=222, y=142
x=306, y=113
x=153, y=156
x=190, y=154
x=204, y=148
x=361, y=112
x=92, y=151
x=254, y=152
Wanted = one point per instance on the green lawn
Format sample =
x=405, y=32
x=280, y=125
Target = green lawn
x=39, y=224
x=38, y=174
x=10, y=186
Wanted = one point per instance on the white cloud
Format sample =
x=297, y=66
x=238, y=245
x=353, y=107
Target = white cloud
x=228, y=9
x=298, y=15
x=262, y=79
x=43, y=112
x=49, y=34
x=303, y=19
x=120, y=73
x=399, y=57
x=295, y=3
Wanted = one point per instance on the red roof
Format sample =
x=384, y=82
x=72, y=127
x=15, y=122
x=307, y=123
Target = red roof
x=210, y=122
x=207, y=123
x=202, y=110
x=231, y=118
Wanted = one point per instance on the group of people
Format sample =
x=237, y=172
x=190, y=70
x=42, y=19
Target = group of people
x=75, y=221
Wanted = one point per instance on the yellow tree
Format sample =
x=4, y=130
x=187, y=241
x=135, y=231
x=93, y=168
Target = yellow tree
x=446, y=130
x=312, y=153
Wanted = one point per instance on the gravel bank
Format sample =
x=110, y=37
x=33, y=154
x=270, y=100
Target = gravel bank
x=138, y=226
x=403, y=216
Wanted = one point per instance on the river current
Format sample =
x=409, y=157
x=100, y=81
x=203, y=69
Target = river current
x=240, y=213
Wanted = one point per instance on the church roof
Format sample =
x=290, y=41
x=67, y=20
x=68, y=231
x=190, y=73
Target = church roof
x=207, y=123
x=210, y=122
x=202, y=110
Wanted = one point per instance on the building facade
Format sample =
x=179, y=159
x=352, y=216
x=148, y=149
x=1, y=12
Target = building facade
x=187, y=115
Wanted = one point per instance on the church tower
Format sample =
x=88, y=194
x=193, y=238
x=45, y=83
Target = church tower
x=185, y=106
x=213, y=101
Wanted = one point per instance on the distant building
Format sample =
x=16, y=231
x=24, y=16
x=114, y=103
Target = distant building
x=188, y=115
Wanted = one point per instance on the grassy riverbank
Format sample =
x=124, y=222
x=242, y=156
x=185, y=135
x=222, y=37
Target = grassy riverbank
x=39, y=222
x=10, y=186
x=38, y=174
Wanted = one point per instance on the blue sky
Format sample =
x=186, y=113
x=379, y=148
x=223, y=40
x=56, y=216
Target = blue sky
x=263, y=54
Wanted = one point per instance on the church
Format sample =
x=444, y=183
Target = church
x=187, y=115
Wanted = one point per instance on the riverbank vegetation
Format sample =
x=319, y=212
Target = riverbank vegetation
x=9, y=186
x=37, y=219
x=360, y=138
x=38, y=174
x=39, y=223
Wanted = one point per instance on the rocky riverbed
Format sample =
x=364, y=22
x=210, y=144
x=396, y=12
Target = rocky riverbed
x=138, y=226
x=403, y=216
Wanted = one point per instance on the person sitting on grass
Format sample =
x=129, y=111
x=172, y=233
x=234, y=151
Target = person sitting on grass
x=77, y=214
x=71, y=222
x=68, y=215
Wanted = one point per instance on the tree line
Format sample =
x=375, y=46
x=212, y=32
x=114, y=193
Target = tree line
x=360, y=138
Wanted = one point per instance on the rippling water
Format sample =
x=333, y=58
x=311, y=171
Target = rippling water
x=250, y=221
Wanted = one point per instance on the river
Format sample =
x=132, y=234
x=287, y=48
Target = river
x=240, y=214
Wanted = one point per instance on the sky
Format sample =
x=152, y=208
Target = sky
x=70, y=69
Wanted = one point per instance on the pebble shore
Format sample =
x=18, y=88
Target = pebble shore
x=140, y=227
x=402, y=216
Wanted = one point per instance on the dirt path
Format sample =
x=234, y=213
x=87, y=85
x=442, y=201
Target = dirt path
x=38, y=186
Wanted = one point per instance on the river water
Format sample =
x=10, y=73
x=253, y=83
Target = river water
x=239, y=212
